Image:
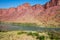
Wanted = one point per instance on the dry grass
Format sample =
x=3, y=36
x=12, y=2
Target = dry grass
x=25, y=35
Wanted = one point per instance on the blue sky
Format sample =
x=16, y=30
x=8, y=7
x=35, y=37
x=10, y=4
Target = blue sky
x=15, y=3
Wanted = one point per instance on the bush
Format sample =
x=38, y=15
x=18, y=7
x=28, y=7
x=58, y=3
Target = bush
x=54, y=35
x=33, y=34
x=19, y=33
x=41, y=38
x=2, y=31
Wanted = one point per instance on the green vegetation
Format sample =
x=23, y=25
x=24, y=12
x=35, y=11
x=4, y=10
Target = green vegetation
x=10, y=35
x=24, y=24
x=29, y=24
x=54, y=35
x=33, y=34
x=41, y=37
x=19, y=33
x=5, y=35
x=20, y=24
x=3, y=30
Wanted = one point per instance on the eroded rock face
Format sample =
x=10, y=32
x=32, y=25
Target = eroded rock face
x=50, y=16
x=44, y=14
x=58, y=3
x=52, y=3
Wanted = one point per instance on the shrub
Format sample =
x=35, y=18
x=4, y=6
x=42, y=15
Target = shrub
x=41, y=37
x=19, y=33
x=33, y=34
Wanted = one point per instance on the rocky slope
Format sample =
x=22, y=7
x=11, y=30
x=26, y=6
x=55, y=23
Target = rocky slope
x=44, y=15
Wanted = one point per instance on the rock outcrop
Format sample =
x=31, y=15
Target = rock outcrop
x=52, y=3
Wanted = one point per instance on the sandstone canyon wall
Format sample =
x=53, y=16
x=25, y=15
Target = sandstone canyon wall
x=47, y=15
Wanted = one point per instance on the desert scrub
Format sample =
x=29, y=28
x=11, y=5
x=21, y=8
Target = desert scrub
x=12, y=35
x=37, y=36
x=19, y=33
x=54, y=36
x=3, y=31
x=3, y=35
x=41, y=37
x=32, y=34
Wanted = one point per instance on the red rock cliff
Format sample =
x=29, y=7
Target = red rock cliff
x=52, y=3
x=46, y=15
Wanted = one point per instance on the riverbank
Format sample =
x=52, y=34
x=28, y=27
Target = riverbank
x=29, y=35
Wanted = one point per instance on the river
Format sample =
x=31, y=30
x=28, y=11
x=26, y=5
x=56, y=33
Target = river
x=9, y=27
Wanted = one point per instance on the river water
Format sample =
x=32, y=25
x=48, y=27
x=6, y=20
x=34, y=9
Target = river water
x=9, y=27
